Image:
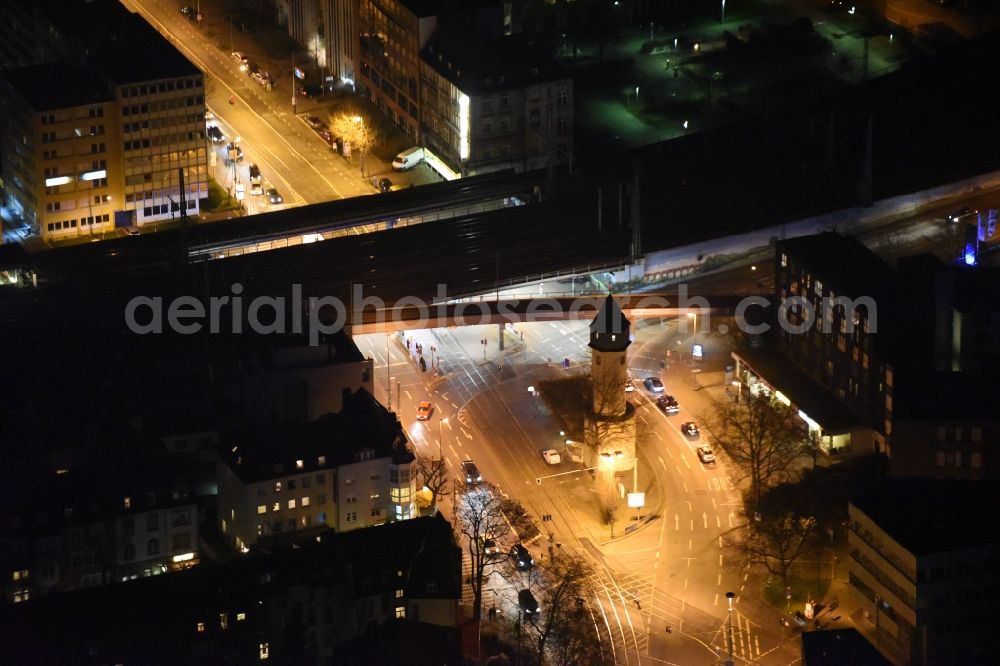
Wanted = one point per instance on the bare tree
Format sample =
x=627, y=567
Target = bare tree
x=434, y=476
x=479, y=513
x=563, y=624
x=761, y=436
x=775, y=540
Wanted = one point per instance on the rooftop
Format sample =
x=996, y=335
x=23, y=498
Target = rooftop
x=53, y=86
x=842, y=263
x=928, y=516
x=834, y=647
x=122, y=44
x=484, y=65
x=362, y=424
x=802, y=390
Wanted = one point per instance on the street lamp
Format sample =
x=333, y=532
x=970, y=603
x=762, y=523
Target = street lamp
x=694, y=316
x=723, y=11
x=729, y=596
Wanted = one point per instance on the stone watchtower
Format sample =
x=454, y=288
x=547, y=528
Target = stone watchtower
x=610, y=425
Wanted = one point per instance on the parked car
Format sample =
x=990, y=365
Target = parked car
x=253, y=68
x=424, y=411
x=131, y=231
x=653, y=384
x=629, y=386
x=240, y=57
x=274, y=197
x=384, y=185
x=326, y=136
x=521, y=557
x=667, y=404
x=529, y=605
x=315, y=123
x=215, y=134
x=551, y=456
x=471, y=473
x=256, y=189
x=235, y=153
x=690, y=430
x=259, y=76
x=254, y=173
x=310, y=90
x=706, y=455
x=490, y=548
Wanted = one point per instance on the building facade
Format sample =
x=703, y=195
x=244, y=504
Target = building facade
x=110, y=122
x=494, y=104
x=926, y=563
x=344, y=471
x=392, y=34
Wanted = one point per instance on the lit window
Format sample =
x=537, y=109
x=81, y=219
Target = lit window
x=277, y=486
x=400, y=612
x=262, y=508
x=128, y=502
x=224, y=620
x=201, y=627
x=291, y=504
x=21, y=595
x=305, y=501
x=276, y=506
x=264, y=651
x=240, y=617
x=399, y=594
x=298, y=464
x=321, y=460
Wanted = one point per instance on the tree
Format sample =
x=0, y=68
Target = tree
x=563, y=624
x=775, y=539
x=761, y=436
x=480, y=516
x=434, y=476
x=353, y=129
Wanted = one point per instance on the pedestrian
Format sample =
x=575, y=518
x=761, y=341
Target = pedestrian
x=407, y=344
x=669, y=630
x=638, y=604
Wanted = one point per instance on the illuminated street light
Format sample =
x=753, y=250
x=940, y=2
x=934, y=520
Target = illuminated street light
x=729, y=596
x=441, y=438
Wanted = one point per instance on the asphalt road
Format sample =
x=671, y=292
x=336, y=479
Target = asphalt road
x=291, y=155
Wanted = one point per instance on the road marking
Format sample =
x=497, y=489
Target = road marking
x=454, y=405
x=716, y=598
x=730, y=518
x=720, y=559
x=658, y=435
x=408, y=396
x=704, y=517
x=718, y=521
x=720, y=541
x=467, y=435
x=669, y=453
x=660, y=458
x=679, y=470
x=713, y=504
x=718, y=579
x=685, y=487
x=643, y=419
x=677, y=522
x=686, y=463
x=746, y=575
x=685, y=583
x=447, y=424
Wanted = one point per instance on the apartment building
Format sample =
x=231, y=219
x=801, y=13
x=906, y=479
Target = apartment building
x=94, y=529
x=382, y=595
x=491, y=104
x=343, y=471
x=925, y=560
x=149, y=156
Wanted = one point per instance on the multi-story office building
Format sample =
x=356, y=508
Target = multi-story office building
x=146, y=134
x=343, y=471
x=61, y=136
x=900, y=361
x=392, y=34
x=925, y=560
x=492, y=104
x=340, y=19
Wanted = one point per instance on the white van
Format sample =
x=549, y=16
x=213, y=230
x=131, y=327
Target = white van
x=408, y=159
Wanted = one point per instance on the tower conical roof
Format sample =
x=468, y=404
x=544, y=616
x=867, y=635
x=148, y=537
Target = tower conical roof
x=609, y=330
